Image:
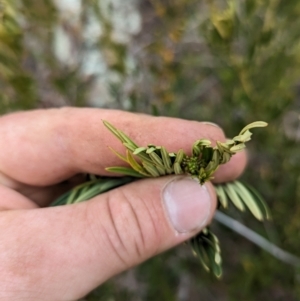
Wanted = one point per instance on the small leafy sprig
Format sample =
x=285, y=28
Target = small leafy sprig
x=155, y=161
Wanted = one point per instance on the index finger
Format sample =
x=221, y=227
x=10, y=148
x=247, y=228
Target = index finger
x=44, y=147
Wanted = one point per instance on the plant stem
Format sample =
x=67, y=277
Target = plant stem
x=257, y=239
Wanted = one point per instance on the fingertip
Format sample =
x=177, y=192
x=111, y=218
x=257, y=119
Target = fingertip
x=233, y=169
x=189, y=205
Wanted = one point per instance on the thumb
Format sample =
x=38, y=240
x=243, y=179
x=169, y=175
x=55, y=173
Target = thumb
x=144, y=218
x=67, y=251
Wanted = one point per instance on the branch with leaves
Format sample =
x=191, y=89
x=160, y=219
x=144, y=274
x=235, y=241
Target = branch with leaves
x=156, y=161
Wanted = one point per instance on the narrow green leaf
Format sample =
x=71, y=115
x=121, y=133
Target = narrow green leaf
x=144, y=157
x=113, y=130
x=129, y=146
x=248, y=200
x=151, y=169
x=246, y=136
x=225, y=147
x=228, y=142
x=214, y=162
x=161, y=170
x=237, y=148
x=205, y=231
x=201, y=253
x=225, y=158
x=128, y=140
x=91, y=188
x=212, y=257
x=215, y=239
x=218, y=258
x=125, y=171
x=134, y=164
x=202, y=142
x=177, y=169
x=215, y=263
x=233, y=196
x=156, y=159
x=83, y=190
x=260, y=201
x=196, y=150
x=139, y=150
x=72, y=196
x=62, y=200
x=118, y=155
x=255, y=124
x=220, y=147
x=101, y=186
x=86, y=194
x=166, y=159
x=211, y=243
x=221, y=196
x=150, y=150
x=179, y=156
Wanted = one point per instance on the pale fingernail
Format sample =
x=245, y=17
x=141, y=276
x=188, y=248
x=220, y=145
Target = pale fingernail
x=188, y=204
x=211, y=123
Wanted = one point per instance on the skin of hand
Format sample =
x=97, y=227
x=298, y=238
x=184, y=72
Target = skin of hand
x=62, y=253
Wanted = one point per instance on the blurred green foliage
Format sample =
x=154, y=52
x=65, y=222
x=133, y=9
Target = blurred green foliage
x=230, y=62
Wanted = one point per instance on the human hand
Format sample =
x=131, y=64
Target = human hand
x=62, y=253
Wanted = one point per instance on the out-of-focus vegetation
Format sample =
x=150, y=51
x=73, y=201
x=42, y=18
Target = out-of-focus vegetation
x=230, y=62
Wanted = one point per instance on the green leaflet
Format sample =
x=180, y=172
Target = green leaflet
x=139, y=150
x=150, y=149
x=125, y=171
x=177, y=169
x=166, y=160
x=118, y=154
x=200, y=252
x=90, y=189
x=161, y=170
x=206, y=246
x=179, y=156
x=237, y=148
x=130, y=146
x=240, y=195
x=144, y=157
x=255, y=124
x=260, y=202
x=225, y=158
x=221, y=196
x=134, y=164
x=248, y=200
x=152, y=170
x=113, y=130
x=234, y=197
x=246, y=136
x=156, y=159
x=127, y=140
